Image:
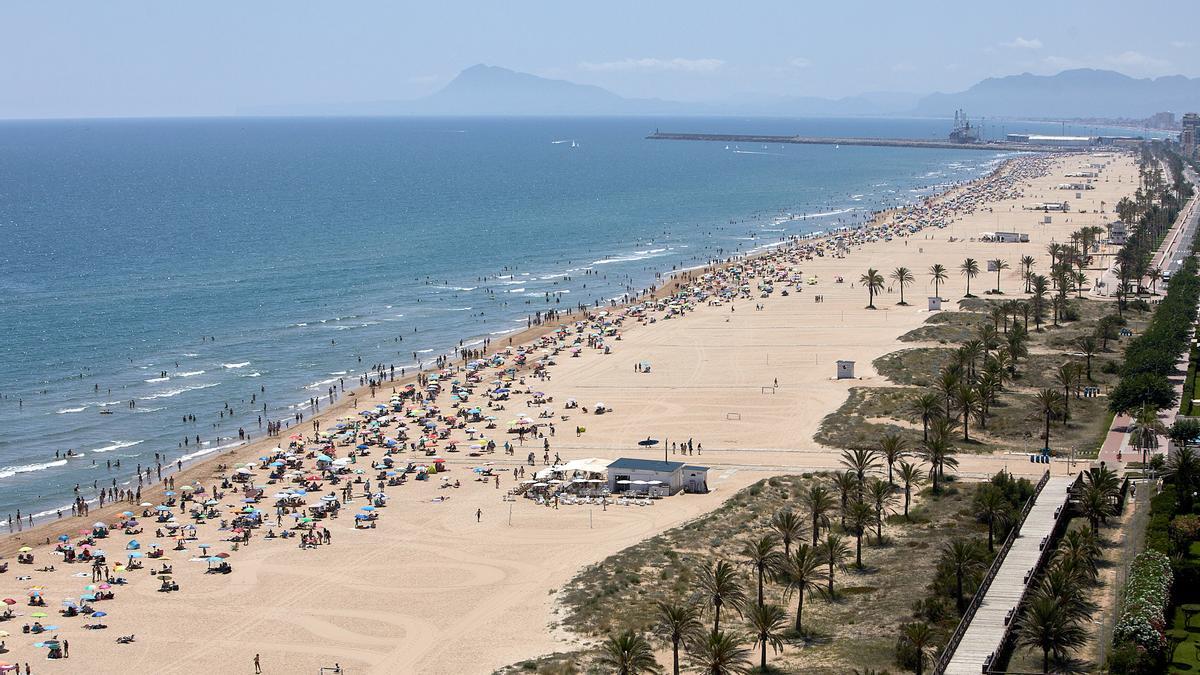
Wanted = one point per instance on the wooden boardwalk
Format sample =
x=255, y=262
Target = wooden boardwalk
x=987, y=627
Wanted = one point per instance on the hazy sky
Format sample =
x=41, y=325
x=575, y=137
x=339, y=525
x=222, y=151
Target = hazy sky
x=81, y=58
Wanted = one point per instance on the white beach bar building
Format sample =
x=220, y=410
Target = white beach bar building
x=629, y=474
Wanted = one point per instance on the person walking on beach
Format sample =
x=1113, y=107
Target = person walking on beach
x=257, y=665
x=478, y=514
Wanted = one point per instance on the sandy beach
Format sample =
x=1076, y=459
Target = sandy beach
x=431, y=590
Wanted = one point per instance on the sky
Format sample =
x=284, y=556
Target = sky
x=84, y=58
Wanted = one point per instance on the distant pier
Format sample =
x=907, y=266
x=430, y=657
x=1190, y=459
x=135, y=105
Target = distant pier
x=994, y=146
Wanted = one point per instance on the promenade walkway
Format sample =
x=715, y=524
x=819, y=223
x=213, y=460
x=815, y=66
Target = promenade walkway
x=987, y=627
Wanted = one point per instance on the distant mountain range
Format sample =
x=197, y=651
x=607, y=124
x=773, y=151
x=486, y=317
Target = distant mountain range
x=491, y=90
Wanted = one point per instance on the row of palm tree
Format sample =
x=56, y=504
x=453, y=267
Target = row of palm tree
x=1058, y=610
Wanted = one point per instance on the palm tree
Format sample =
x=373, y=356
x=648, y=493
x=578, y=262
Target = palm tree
x=722, y=586
x=720, y=654
x=802, y=574
x=860, y=517
x=1080, y=550
x=789, y=526
x=1046, y=626
x=939, y=453
x=1027, y=262
x=833, y=551
x=1066, y=376
x=873, y=280
x=1096, y=505
x=892, y=447
x=1154, y=274
x=846, y=482
x=903, y=277
x=1049, y=404
x=1087, y=346
x=768, y=622
x=925, y=406
x=1000, y=265
x=1145, y=430
x=818, y=501
x=969, y=269
x=911, y=476
x=859, y=461
x=967, y=400
x=939, y=276
x=880, y=498
x=1183, y=468
x=1040, y=289
x=920, y=637
x=763, y=555
x=628, y=654
x=992, y=507
x=678, y=623
x=964, y=559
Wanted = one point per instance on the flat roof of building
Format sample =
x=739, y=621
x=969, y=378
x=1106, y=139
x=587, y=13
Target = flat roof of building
x=645, y=464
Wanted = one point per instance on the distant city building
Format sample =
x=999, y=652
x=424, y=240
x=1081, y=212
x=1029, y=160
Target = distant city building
x=1162, y=120
x=1190, y=135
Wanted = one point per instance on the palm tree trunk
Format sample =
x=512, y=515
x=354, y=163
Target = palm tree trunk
x=858, y=548
x=1047, y=429
x=675, y=649
x=831, y=579
x=800, y=611
x=716, y=620
x=763, y=638
x=907, y=499
x=760, y=586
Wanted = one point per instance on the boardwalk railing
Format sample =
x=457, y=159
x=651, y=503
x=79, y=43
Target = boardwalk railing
x=939, y=668
x=1047, y=546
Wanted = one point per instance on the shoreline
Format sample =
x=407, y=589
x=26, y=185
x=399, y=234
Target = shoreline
x=515, y=337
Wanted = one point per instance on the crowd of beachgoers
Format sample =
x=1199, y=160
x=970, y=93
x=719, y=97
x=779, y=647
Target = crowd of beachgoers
x=328, y=477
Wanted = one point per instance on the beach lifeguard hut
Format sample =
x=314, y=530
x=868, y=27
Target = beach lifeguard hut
x=935, y=303
x=845, y=370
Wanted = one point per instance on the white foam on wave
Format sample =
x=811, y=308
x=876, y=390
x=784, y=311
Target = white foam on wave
x=190, y=373
x=157, y=379
x=456, y=288
x=65, y=411
x=254, y=374
x=207, y=451
x=633, y=257
x=148, y=410
x=455, y=309
x=10, y=471
x=823, y=214
x=516, y=290
x=175, y=392
x=116, y=445
x=235, y=365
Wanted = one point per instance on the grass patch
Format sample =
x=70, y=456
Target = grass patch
x=856, y=630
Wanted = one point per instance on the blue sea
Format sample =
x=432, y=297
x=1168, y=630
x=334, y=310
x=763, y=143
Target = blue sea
x=189, y=266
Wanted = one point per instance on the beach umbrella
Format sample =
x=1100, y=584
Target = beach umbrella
x=169, y=493
x=63, y=537
x=99, y=615
x=9, y=601
x=145, y=504
x=366, y=508
x=648, y=442
x=38, y=615
x=25, y=549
